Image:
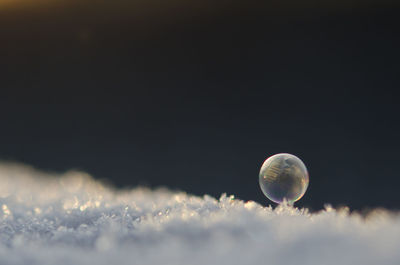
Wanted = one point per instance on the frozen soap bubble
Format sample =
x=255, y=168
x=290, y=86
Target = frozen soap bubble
x=283, y=177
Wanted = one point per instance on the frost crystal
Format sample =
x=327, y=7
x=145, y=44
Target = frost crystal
x=72, y=219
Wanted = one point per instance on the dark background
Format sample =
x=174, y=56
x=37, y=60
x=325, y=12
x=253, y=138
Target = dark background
x=195, y=95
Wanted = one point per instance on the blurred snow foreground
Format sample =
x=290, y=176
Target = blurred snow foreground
x=72, y=219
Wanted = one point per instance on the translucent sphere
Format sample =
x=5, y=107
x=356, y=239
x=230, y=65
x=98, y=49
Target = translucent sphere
x=283, y=177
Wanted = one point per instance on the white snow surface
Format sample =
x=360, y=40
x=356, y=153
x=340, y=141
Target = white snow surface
x=70, y=218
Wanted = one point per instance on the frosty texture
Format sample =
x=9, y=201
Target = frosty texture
x=72, y=219
x=283, y=177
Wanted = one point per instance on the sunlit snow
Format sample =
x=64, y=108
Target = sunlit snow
x=72, y=219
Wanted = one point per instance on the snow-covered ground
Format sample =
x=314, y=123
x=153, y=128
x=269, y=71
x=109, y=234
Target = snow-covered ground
x=72, y=219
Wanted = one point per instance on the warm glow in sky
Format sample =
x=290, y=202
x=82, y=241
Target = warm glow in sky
x=198, y=3
x=20, y=3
